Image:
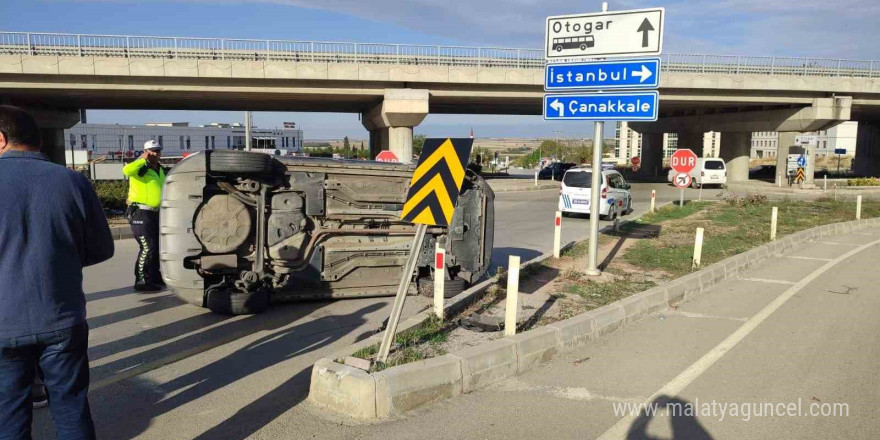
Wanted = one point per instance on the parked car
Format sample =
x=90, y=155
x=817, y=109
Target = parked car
x=241, y=230
x=555, y=171
x=763, y=172
x=708, y=171
x=574, y=196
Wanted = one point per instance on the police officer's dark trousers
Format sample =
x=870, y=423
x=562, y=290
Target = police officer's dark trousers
x=145, y=227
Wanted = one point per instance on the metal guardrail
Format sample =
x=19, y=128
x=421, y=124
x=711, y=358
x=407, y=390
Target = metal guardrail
x=126, y=46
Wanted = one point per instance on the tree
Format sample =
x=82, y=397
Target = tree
x=345, y=143
x=418, y=143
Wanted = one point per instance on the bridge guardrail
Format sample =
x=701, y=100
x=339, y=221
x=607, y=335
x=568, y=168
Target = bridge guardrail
x=127, y=46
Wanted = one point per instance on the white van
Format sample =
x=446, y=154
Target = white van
x=709, y=171
x=574, y=196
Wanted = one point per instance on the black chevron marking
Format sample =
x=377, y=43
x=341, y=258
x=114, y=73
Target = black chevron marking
x=429, y=202
x=442, y=168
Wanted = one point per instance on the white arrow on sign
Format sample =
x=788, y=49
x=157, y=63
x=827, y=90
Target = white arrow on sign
x=644, y=74
x=558, y=106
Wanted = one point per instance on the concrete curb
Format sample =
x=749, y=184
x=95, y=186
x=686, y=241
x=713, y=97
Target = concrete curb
x=121, y=232
x=400, y=389
x=540, y=187
x=479, y=366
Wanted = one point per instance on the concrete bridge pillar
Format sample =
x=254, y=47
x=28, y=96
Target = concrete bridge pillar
x=783, y=146
x=692, y=140
x=735, y=151
x=867, y=160
x=391, y=122
x=652, y=155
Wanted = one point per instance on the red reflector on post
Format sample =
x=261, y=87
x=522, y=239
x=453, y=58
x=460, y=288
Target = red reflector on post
x=558, y=221
x=439, y=263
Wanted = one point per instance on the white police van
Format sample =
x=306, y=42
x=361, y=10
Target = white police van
x=574, y=196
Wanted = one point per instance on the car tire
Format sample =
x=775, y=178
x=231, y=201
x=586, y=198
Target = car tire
x=694, y=184
x=232, y=302
x=242, y=162
x=451, y=288
x=612, y=212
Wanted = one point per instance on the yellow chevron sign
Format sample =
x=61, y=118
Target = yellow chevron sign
x=799, y=177
x=436, y=181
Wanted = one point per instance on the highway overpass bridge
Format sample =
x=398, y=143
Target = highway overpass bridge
x=395, y=86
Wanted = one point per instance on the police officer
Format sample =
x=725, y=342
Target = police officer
x=146, y=177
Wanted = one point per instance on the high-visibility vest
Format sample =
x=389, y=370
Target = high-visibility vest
x=145, y=184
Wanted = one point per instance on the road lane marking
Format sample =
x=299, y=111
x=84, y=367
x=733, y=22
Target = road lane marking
x=765, y=280
x=678, y=384
x=807, y=258
x=837, y=244
x=705, y=316
x=569, y=393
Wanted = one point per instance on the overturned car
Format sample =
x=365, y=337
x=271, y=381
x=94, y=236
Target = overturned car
x=240, y=230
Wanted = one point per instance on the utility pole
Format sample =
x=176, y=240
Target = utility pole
x=248, y=121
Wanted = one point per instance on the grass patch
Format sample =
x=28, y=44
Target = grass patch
x=412, y=345
x=731, y=227
x=863, y=181
x=598, y=294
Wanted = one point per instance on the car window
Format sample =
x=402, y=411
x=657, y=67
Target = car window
x=612, y=181
x=578, y=179
x=713, y=165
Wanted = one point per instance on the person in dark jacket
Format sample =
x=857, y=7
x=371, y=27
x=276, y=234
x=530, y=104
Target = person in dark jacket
x=51, y=226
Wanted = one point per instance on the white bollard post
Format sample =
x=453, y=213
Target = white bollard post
x=512, y=302
x=536, y=178
x=653, y=197
x=557, y=234
x=858, y=207
x=773, y=218
x=698, y=248
x=825, y=182
x=439, y=279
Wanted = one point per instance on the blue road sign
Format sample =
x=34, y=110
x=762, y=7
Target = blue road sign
x=840, y=151
x=616, y=106
x=802, y=161
x=603, y=75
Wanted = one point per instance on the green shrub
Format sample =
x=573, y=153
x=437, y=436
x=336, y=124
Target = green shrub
x=112, y=194
x=863, y=181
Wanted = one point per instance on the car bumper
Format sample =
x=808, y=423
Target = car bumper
x=580, y=208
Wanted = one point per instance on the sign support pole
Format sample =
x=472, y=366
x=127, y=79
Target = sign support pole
x=414, y=252
x=681, y=199
x=595, y=190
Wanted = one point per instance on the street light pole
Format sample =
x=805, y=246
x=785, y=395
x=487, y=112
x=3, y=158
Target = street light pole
x=247, y=130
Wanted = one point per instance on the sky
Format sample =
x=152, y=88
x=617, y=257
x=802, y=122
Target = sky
x=798, y=28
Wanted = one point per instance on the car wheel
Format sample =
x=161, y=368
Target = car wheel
x=694, y=184
x=234, y=161
x=233, y=302
x=451, y=288
x=612, y=212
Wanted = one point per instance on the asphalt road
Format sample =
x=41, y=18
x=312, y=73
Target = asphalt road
x=163, y=369
x=792, y=344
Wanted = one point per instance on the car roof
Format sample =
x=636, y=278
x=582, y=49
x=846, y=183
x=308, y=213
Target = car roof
x=582, y=169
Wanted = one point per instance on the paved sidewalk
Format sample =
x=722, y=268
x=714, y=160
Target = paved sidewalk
x=801, y=329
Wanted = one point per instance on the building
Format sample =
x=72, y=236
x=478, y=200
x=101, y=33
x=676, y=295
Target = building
x=629, y=143
x=176, y=138
x=843, y=136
